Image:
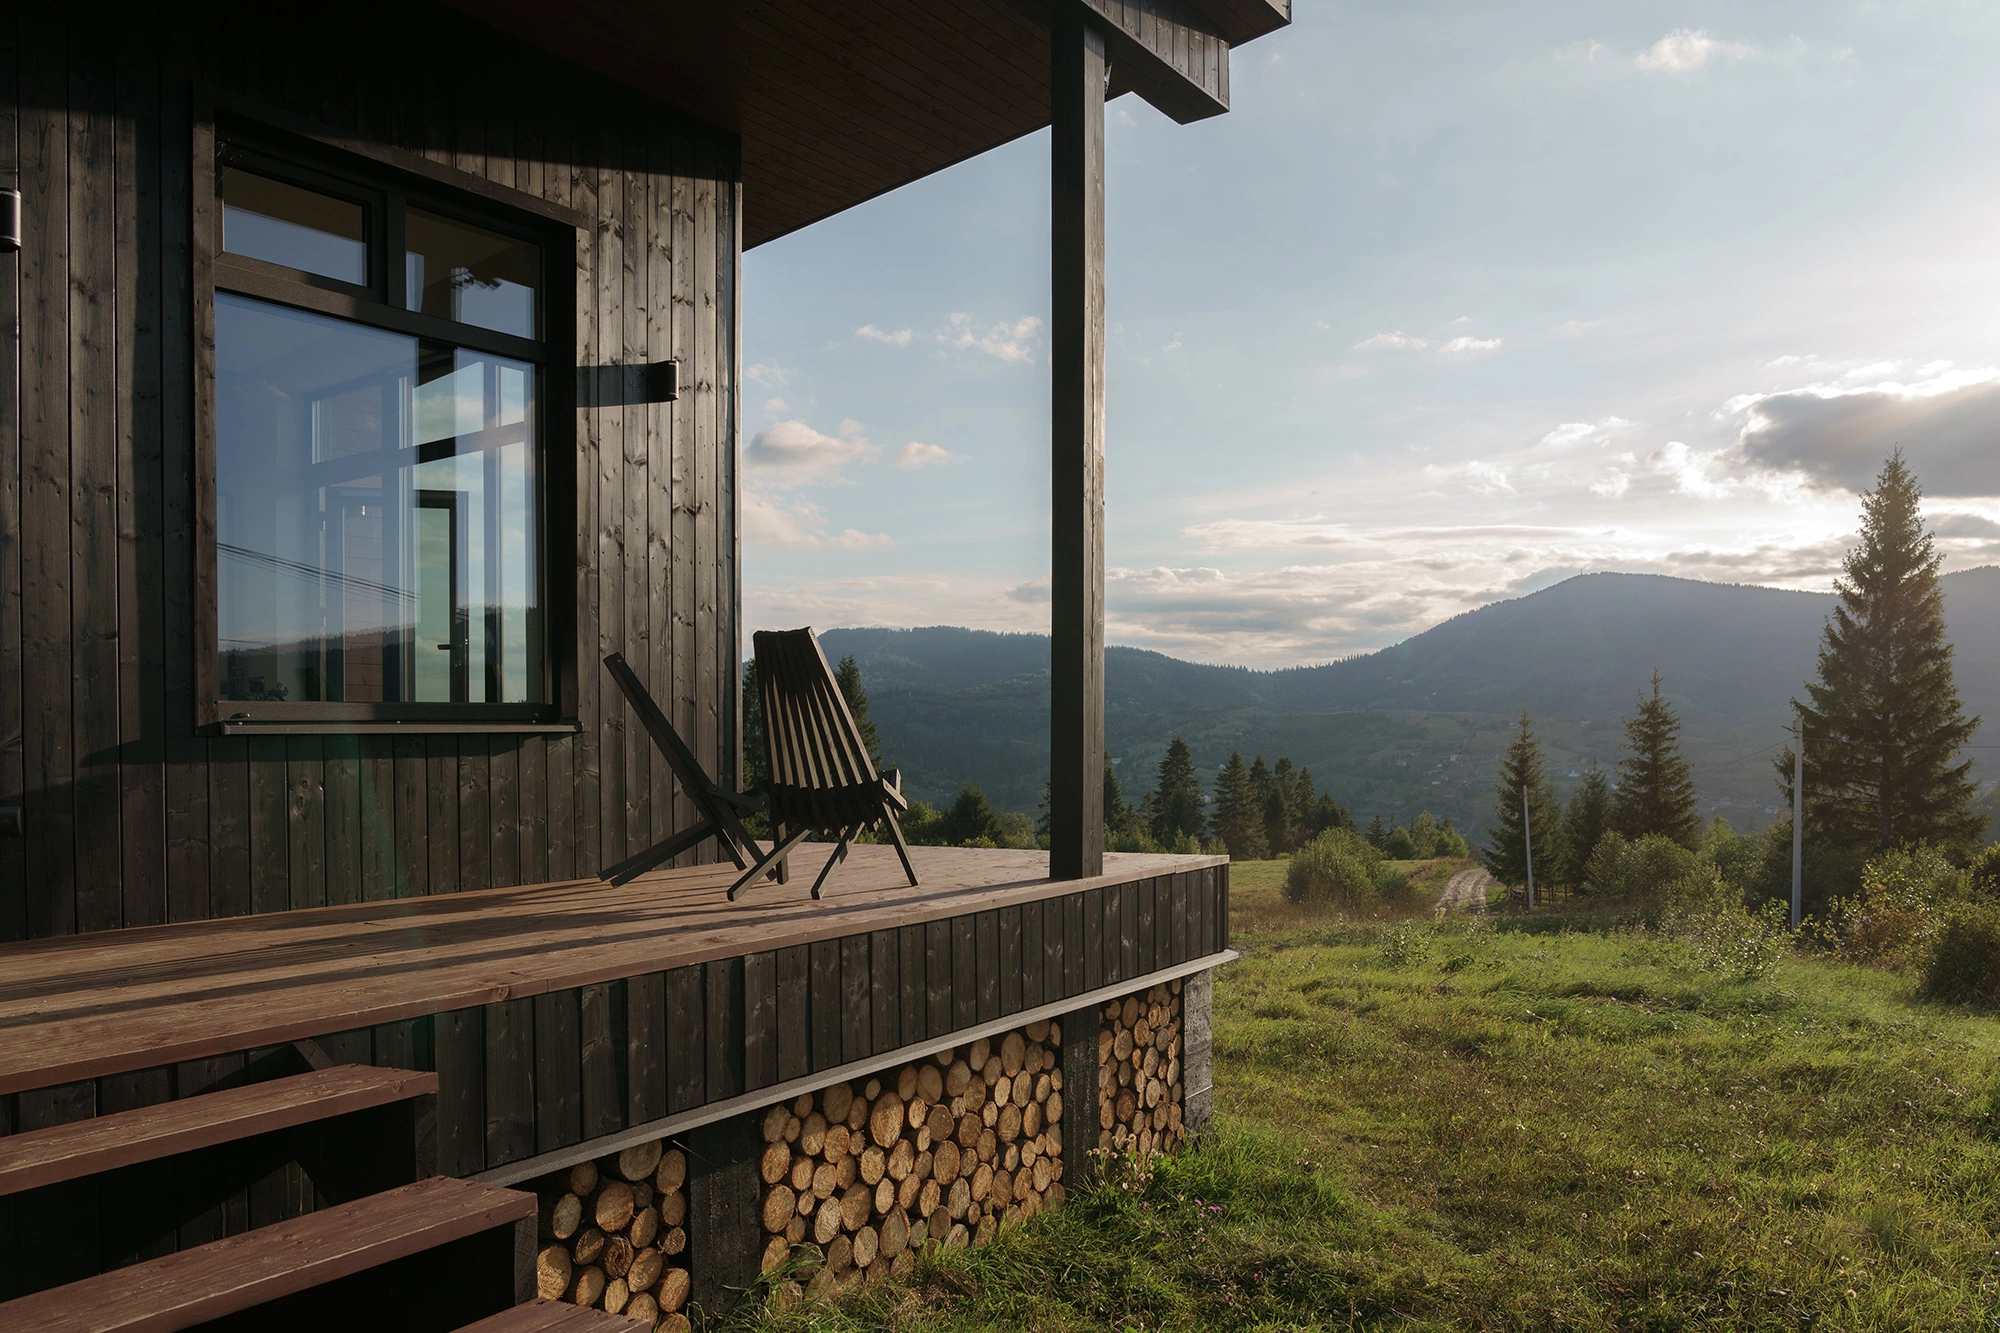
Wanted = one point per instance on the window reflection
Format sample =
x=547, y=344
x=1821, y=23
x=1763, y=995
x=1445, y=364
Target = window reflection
x=375, y=514
x=472, y=275
x=299, y=228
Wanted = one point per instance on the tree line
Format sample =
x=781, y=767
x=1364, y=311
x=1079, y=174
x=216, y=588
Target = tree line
x=1883, y=731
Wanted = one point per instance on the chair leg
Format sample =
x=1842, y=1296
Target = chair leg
x=634, y=866
x=776, y=854
x=902, y=848
x=839, y=855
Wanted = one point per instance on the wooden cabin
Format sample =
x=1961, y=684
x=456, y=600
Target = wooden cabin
x=373, y=375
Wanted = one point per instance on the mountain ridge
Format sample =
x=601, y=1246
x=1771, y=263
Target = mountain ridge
x=1416, y=724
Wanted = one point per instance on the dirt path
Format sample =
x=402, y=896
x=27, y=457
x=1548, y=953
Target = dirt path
x=1465, y=892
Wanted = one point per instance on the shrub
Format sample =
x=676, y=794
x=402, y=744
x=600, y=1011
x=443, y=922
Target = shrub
x=1724, y=939
x=1983, y=875
x=1393, y=885
x=1450, y=842
x=1406, y=945
x=1605, y=870
x=1962, y=965
x=1401, y=846
x=1337, y=866
x=1897, y=914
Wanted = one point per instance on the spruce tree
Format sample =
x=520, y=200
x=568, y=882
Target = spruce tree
x=1281, y=808
x=1655, y=786
x=1238, y=821
x=1884, y=722
x=970, y=818
x=1117, y=814
x=1585, y=822
x=1509, y=835
x=1377, y=835
x=1177, y=800
x=848, y=676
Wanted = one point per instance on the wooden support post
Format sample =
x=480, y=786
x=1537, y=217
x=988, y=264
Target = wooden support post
x=724, y=1198
x=1076, y=328
x=1079, y=1095
x=1197, y=1053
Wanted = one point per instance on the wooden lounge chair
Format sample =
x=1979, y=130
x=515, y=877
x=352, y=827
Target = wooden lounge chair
x=822, y=780
x=716, y=804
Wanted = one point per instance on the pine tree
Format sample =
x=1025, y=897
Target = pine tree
x=1237, y=820
x=1177, y=800
x=1885, y=723
x=848, y=676
x=1377, y=835
x=1655, y=786
x=1521, y=771
x=756, y=754
x=1585, y=822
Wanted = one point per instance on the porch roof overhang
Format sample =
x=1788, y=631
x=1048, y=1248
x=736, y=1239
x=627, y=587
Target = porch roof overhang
x=836, y=103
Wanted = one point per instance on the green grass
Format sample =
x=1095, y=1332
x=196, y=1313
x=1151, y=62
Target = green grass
x=1551, y=1123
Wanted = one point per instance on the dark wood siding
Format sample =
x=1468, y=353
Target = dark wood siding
x=132, y=817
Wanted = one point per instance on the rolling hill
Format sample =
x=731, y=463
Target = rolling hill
x=1419, y=725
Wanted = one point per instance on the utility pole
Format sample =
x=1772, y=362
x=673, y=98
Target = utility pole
x=1798, y=810
x=1528, y=848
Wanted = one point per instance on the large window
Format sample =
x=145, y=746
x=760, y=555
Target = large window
x=379, y=365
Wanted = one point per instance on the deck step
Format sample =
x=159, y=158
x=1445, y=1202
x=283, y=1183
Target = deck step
x=242, y=1272
x=86, y=1147
x=540, y=1316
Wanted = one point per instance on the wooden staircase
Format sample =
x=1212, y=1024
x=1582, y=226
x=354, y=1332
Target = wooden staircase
x=382, y=1242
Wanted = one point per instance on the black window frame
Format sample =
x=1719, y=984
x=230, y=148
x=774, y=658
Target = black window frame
x=385, y=193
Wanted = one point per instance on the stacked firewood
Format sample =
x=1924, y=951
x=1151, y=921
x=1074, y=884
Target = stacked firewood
x=1139, y=1073
x=614, y=1235
x=942, y=1152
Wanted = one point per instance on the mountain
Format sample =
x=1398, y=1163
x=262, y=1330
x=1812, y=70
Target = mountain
x=1419, y=725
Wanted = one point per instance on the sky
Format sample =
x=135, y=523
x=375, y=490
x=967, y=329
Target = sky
x=1455, y=302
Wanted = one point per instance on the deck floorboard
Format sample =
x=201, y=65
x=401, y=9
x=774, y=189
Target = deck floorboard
x=84, y=1006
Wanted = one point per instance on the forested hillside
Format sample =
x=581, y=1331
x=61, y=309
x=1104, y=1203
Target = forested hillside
x=1419, y=725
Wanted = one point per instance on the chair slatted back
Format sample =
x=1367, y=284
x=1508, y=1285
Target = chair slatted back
x=821, y=774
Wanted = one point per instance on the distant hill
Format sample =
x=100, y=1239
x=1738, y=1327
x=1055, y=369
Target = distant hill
x=1418, y=725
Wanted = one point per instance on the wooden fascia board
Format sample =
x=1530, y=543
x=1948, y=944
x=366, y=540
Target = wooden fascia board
x=1166, y=51
x=1241, y=21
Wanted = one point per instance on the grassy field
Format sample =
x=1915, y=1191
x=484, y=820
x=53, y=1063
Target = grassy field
x=1526, y=1123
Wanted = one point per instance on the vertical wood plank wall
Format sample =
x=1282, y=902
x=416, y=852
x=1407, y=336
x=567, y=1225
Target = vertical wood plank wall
x=131, y=817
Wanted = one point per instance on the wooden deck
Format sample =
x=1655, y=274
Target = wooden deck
x=87, y=1006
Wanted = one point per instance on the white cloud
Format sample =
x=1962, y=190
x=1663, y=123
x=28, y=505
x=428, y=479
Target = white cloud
x=1487, y=479
x=1175, y=345
x=798, y=526
x=771, y=377
x=849, y=428
x=1693, y=472
x=899, y=338
x=792, y=453
x=918, y=454
x=776, y=406
x=1582, y=432
x=1613, y=485
x=1465, y=345
x=1009, y=342
x=1398, y=341
x=1582, y=51
x=1685, y=50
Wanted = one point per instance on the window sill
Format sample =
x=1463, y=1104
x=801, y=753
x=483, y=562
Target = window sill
x=358, y=728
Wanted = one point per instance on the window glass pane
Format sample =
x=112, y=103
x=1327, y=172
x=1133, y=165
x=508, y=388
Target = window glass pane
x=472, y=275
x=303, y=229
x=375, y=515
